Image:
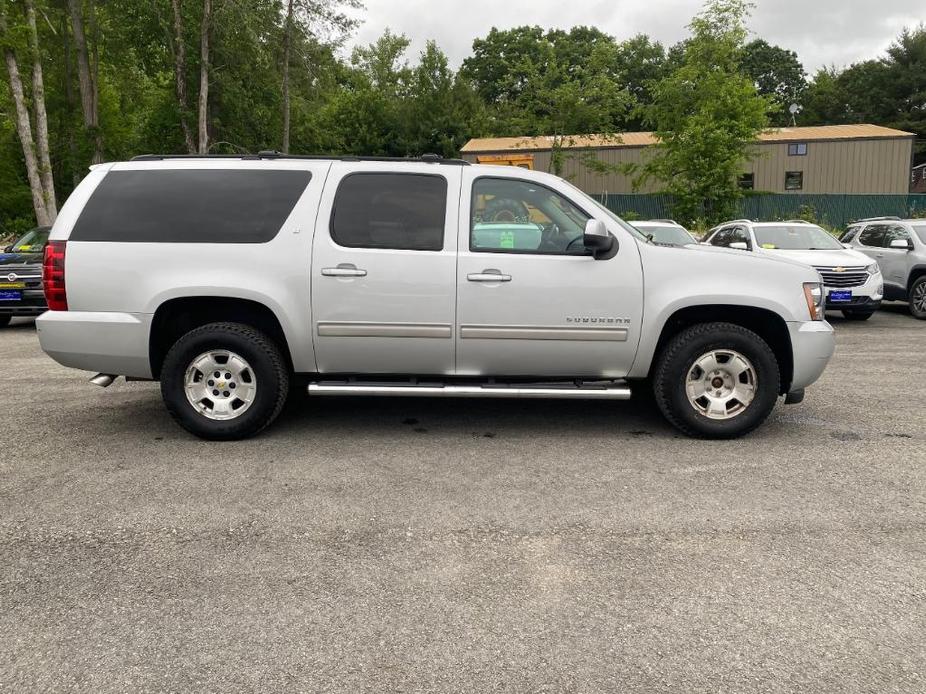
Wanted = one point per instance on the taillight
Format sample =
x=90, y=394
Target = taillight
x=53, y=276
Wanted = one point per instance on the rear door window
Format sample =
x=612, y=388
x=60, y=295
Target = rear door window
x=190, y=205
x=390, y=210
x=873, y=236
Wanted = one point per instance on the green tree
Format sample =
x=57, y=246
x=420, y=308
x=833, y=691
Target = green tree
x=706, y=115
x=777, y=73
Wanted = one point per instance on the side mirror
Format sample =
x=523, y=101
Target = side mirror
x=847, y=246
x=596, y=238
x=902, y=244
x=8, y=249
x=739, y=245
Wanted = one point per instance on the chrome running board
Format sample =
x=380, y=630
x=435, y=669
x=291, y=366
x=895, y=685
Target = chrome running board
x=593, y=390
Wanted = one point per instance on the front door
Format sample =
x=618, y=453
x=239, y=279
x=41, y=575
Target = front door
x=530, y=300
x=383, y=269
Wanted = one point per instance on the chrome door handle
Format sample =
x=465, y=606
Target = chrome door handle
x=879, y=255
x=488, y=276
x=344, y=270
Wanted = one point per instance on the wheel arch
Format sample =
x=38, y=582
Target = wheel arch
x=770, y=326
x=916, y=272
x=176, y=317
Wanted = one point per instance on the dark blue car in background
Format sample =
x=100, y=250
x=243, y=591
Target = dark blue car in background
x=21, y=276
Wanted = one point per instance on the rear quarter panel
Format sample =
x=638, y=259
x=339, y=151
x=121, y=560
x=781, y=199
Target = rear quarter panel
x=138, y=277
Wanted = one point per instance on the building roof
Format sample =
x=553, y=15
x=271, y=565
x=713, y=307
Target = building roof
x=804, y=134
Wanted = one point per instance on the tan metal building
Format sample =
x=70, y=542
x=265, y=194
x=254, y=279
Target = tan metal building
x=850, y=159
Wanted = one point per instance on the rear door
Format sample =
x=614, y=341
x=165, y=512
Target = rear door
x=871, y=241
x=530, y=300
x=384, y=267
x=894, y=261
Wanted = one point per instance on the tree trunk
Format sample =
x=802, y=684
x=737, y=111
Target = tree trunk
x=204, y=77
x=24, y=128
x=88, y=88
x=287, y=42
x=41, y=117
x=69, y=102
x=180, y=76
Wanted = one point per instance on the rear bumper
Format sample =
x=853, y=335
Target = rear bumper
x=111, y=343
x=812, y=344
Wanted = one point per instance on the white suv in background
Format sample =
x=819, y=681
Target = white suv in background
x=665, y=232
x=853, y=283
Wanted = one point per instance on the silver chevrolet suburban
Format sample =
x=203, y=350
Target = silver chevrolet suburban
x=233, y=279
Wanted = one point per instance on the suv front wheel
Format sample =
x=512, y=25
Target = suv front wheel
x=716, y=380
x=224, y=381
x=918, y=298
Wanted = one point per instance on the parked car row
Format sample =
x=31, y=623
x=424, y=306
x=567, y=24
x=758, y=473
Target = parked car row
x=883, y=258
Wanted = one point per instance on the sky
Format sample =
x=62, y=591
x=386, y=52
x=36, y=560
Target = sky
x=822, y=32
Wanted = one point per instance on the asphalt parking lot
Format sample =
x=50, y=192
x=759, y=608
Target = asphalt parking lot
x=436, y=545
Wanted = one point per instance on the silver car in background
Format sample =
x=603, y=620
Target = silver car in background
x=899, y=248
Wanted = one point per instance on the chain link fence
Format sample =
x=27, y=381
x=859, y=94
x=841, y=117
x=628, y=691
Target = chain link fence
x=835, y=211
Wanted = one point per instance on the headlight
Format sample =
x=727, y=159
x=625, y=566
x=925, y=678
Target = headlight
x=813, y=292
x=873, y=269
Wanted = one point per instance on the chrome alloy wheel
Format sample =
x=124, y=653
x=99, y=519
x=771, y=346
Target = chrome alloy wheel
x=721, y=384
x=919, y=298
x=220, y=385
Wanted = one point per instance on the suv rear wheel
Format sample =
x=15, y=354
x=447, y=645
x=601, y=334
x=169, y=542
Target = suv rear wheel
x=716, y=380
x=918, y=298
x=224, y=381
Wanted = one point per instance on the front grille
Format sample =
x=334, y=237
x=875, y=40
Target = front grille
x=850, y=277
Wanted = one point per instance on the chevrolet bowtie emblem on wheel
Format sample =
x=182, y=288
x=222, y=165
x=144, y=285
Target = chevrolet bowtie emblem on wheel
x=12, y=277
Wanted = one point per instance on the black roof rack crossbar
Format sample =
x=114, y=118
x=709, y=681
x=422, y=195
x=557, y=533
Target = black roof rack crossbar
x=269, y=155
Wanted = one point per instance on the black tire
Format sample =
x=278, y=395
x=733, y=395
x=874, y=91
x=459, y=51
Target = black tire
x=262, y=354
x=918, y=298
x=857, y=315
x=5, y=320
x=678, y=357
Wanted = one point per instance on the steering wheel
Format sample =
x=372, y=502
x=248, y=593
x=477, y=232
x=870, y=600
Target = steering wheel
x=580, y=237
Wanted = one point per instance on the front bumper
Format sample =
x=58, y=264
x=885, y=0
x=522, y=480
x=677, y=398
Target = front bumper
x=864, y=298
x=110, y=343
x=31, y=304
x=812, y=345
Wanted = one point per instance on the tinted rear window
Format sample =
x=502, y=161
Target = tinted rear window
x=398, y=211
x=190, y=206
x=873, y=235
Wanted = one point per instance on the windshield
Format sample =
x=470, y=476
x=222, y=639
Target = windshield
x=920, y=230
x=666, y=233
x=805, y=237
x=33, y=242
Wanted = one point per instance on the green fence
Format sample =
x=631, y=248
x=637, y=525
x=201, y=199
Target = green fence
x=833, y=210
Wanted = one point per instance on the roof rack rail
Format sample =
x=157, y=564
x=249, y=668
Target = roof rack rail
x=797, y=221
x=272, y=154
x=890, y=218
x=666, y=221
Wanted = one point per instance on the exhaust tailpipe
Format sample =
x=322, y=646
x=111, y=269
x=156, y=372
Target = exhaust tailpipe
x=103, y=380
